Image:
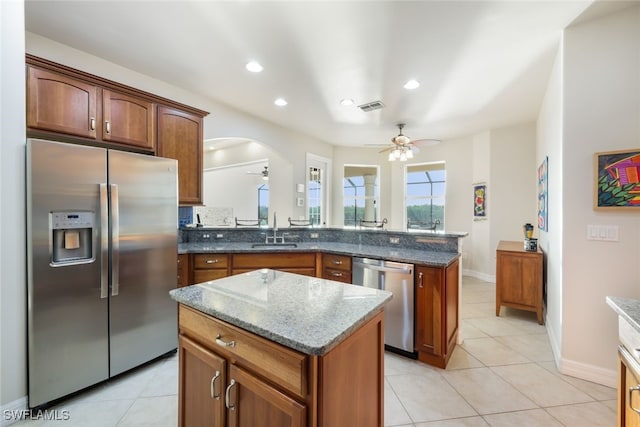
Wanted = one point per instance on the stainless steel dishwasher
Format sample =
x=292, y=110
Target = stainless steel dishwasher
x=396, y=278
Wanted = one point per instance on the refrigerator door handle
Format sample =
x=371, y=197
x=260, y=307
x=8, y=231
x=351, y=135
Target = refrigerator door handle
x=115, y=241
x=104, y=241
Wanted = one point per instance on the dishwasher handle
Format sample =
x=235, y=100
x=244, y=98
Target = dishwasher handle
x=406, y=270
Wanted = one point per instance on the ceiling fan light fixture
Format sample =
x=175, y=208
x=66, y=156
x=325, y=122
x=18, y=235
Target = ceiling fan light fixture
x=401, y=139
x=409, y=153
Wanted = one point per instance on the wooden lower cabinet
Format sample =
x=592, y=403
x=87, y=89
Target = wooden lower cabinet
x=183, y=270
x=210, y=267
x=299, y=263
x=628, y=390
x=336, y=267
x=256, y=382
x=436, y=300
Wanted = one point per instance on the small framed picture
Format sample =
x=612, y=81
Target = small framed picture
x=480, y=200
x=617, y=180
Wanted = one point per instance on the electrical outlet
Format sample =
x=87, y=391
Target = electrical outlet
x=394, y=240
x=206, y=236
x=313, y=235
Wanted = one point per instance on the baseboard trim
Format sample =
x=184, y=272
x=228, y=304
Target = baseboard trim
x=478, y=275
x=11, y=408
x=591, y=373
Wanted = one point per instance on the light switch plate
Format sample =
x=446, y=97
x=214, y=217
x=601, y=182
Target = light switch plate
x=608, y=233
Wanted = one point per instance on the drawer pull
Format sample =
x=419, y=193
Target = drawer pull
x=213, y=386
x=223, y=343
x=337, y=262
x=211, y=261
x=631, y=390
x=226, y=396
x=336, y=274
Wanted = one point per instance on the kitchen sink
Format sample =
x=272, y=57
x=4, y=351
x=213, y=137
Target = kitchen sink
x=274, y=245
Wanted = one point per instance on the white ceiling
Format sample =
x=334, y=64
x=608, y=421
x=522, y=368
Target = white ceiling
x=481, y=64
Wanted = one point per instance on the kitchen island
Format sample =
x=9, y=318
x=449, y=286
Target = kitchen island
x=279, y=349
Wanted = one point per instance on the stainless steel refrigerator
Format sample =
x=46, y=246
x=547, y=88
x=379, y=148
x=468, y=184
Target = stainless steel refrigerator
x=102, y=246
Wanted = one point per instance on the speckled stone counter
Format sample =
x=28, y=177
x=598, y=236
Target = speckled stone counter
x=628, y=309
x=303, y=313
x=400, y=254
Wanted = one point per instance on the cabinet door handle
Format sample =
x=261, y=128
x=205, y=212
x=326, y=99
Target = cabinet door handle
x=223, y=343
x=213, y=386
x=337, y=262
x=227, y=398
x=420, y=280
x=107, y=125
x=631, y=390
x=92, y=123
x=211, y=261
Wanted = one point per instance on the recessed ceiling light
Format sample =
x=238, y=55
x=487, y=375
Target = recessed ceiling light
x=253, y=66
x=347, y=102
x=280, y=102
x=411, y=84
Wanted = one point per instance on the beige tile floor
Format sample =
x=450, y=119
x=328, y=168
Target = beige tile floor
x=502, y=375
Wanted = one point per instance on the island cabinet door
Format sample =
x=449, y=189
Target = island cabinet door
x=628, y=390
x=428, y=309
x=252, y=402
x=202, y=386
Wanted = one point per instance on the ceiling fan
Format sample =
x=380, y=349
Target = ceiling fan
x=264, y=173
x=403, y=148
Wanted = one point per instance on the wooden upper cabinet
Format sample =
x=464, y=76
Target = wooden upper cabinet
x=128, y=120
x=180, y=138
x=61, y=104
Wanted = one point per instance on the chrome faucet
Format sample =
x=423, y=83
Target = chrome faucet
x=275, y=236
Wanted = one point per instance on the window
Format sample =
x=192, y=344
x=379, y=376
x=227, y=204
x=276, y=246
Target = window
x=263, y=204
x=315, y=195
x=360, y=194
x=425, y=196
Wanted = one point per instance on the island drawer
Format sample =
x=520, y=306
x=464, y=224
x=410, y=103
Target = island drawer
x=337, y=275
x=209, y=261
x=336, y=262
x=253, y=261
x=276, y=363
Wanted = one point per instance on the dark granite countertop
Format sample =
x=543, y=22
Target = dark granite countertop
x=304, y=313
x=400, y=254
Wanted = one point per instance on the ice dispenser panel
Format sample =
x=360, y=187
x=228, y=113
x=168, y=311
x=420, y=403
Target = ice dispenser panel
x=72, y=235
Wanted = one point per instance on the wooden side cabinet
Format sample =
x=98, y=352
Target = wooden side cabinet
x=436, y=329
x=519, y=278
x=628, y=390
x=183, y=270
x=180, y=137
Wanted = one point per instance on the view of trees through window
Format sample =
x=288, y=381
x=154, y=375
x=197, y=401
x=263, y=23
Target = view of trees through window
x=263, y=204
x=425, y=196
x=360, y=194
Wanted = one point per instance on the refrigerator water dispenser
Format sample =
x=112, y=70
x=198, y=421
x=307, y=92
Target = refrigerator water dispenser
x=72, y=236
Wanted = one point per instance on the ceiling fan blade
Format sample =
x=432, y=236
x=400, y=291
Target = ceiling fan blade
x=426, y=142
x=387, y=149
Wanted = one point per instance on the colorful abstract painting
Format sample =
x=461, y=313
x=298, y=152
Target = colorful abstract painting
x=543, y=199
x=617, y=180
x=480, y=200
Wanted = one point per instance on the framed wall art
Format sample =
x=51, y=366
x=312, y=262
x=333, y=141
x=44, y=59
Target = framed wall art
x=543, y=198
x=479, y=201
x=617, y=180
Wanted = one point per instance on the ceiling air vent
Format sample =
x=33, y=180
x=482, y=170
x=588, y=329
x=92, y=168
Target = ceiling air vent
x=370, y=106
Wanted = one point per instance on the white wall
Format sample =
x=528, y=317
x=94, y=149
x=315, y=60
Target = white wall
x=549, y=134
x=601, y=112
x=478, y=253
x=12, y=208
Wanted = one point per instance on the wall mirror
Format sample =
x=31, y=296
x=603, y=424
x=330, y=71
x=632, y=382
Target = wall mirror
x=361, y=189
